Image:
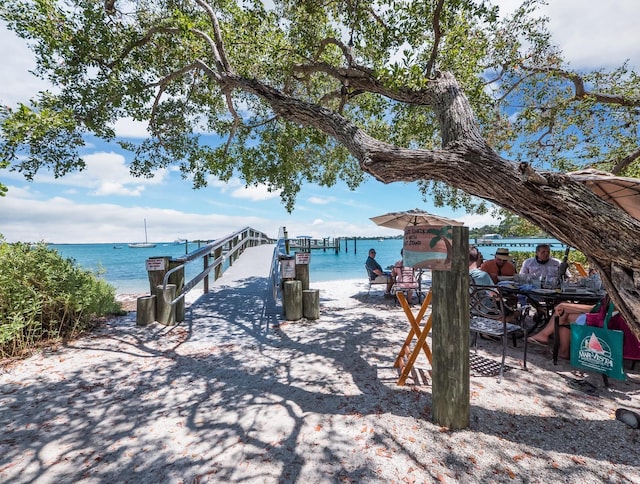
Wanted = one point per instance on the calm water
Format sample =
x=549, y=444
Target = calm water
x=124, y=267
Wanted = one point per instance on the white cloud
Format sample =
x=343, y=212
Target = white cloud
x=601, y=35
x=237, y=189
x=259, y=193
x=321, y=200
x=128, y=128
x=61, y=220
x=18, y=84
x=474, y=221
x=591, y=36
x=106, y=173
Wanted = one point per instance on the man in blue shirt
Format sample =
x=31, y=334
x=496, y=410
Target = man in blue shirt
x=377, y=274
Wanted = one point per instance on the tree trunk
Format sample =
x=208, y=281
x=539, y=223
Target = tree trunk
x=561, y=206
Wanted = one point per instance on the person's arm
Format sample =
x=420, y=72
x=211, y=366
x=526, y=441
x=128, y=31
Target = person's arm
x=376, y=268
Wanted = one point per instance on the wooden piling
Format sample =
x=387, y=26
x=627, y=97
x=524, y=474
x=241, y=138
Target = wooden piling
x=145, y=310
x=292, y=300
x=311, y=303
x=166, y=312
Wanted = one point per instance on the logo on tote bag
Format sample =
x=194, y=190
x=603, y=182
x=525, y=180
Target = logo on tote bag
x=595, y=353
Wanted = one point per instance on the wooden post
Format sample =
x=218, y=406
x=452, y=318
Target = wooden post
x=157, y=267
x=292, y=300
x=205, y=264
x=218, y=270
x=302, y=275
x=146, y=310
x=311, y=303
x=177, y=278
x=450, y=338
x=166, y=313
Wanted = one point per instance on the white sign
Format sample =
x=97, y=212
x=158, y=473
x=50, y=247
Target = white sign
x=155, y=265
x=303, y=257
x=288, y=269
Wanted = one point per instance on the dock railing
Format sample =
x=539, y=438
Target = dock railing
x=225, y=249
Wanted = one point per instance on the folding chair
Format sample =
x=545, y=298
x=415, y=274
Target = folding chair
x=374, y=280
x=406, y=282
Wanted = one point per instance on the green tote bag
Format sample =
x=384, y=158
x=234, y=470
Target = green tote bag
x=598, y=349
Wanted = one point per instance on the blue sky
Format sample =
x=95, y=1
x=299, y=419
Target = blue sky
x=105, y=204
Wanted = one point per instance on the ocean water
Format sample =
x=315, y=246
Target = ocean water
x=125, y=269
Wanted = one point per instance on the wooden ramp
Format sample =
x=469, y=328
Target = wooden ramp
x=243, y=295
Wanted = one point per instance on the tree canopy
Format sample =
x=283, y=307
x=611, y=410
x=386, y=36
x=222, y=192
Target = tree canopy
x=473, y=105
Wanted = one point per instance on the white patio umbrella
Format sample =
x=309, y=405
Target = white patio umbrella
x=400, y=220
x=622, y=192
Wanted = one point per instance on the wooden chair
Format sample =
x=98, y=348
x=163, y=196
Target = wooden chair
x=491, y=315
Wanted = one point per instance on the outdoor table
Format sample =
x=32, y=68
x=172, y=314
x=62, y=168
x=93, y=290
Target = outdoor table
x=552, y=297
x=417, y=332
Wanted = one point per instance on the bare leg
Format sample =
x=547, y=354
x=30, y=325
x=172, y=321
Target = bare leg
x=565, y=343
x=567, y=312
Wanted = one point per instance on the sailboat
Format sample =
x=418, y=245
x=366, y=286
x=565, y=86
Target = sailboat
x=143, y=245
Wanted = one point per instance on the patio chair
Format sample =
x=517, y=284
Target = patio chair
x=374, y=280
x=406, y=282
x=491, y=315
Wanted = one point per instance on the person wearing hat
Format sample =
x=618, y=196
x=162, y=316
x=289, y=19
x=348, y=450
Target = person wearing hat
x=500, y=265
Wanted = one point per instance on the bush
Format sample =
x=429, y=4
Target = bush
x=44, y=297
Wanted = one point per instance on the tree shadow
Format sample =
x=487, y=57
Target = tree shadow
x=226, y=396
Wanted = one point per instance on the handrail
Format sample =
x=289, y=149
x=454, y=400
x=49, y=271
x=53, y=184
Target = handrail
x=279, y=251
x=237, y=241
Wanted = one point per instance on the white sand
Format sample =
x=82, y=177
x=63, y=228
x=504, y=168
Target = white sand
x=222, y=400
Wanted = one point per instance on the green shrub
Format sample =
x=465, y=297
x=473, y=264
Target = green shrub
x=44, y=297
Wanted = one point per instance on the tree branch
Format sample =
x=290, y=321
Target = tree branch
x=437, y=35
x=625, y=162
x=580, y=92
x=221, y=56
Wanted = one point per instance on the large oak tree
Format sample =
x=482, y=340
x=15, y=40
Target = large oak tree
x=474, y=106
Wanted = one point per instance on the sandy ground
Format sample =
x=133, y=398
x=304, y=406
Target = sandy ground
x=224, y=397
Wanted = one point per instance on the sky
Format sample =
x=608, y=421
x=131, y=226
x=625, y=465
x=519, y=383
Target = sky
x=105, y=204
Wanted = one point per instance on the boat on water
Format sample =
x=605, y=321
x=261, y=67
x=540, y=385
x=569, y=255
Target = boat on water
x=143, y=245
x=488, y=239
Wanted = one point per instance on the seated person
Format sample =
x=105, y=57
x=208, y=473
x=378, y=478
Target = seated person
x=500, y=265
x=404, y=278
x=542, y=264
x=376, y=272
x=480, y=277
x=587, y=314
x=568, y=313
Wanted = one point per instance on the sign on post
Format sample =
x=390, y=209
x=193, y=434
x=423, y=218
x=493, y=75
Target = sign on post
x=428, y=247
x=303, y=258
x=158, y=264
x=288, y=268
